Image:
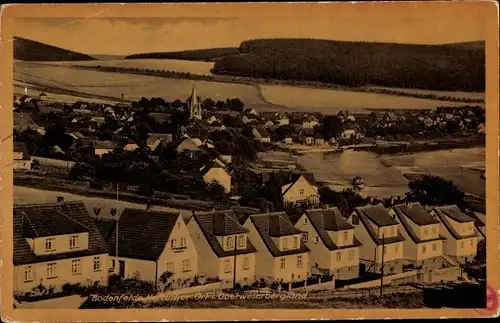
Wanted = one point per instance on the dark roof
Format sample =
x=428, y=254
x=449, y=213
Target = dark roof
x=284, y=178
x=370, y=228
x=444, y=219
x=262, y=131
x=71, y=217
x=105, y=227
x=21, y=147
x=209, y=166
x=221, y=223
x=152, y=137
x=268, y=227
x=480, y=219
x=324, y=220
x=104, y=144
x=142, y=234
x=407, y=227
x=416, y=213
x=377, y=214
x=453, y=212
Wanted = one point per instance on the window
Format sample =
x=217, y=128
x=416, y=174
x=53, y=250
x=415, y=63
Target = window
x=461, y=244
x=396, y=247
x=52, y=270
x=113, y=263
x=173, y=244
x=50, y=244
x=424, y=249
x=316, y=239
x=305, y=220
x=28, y=274
x=346, y=236
x=74, y=242
x=229, y=243
x=170, y=267
x=295, y=244
x=183, y=242
x=301, y=191
x=299, y=261
x=227, y=266
x=426, y=231
x=339, y=256
x=246, y=263
x=76, y=267
x=186, y=265
x=351, y=255
x=241, y=241
x=97, y=263
x=305, y=236
x=471, y=242
x=282, y=263
x=434, y=246
x=178, y=225
x=285, y=243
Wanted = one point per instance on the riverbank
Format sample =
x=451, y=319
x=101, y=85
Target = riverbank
x=227, y=78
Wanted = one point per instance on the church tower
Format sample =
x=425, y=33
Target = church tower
x=194, y=105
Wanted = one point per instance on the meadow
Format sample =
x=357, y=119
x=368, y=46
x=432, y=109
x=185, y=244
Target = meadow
x=262, y=97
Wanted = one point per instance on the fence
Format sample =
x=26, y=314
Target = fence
x=362, y=292
x=391, y=279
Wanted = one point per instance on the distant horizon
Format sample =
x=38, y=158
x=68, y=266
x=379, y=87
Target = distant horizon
x=353, y=41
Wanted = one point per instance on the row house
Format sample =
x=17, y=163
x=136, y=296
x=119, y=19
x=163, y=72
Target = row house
x=281, y=254
x=479, y=223
x=459, y=231
x=380, y=237
x=334, y=248
x=146, y=244
x=423, y=244
x=225, y=247
x=56, y=244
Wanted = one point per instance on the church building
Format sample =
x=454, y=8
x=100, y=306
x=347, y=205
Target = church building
x=194, y=105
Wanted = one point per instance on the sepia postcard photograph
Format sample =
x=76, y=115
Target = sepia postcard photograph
x=249, y=161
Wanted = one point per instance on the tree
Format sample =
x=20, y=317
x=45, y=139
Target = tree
x=179, y=119
x=215, y=192
x=235, y=105
x=331, y=127
x=284, y=131
x=481, y=252
x=434, y=190
x=208, y=104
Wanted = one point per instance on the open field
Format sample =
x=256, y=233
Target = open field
x=180, y=66
x=108, y=86
x=326, y=99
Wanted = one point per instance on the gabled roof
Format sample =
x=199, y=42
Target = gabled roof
x=21, y=147
x=443, y=216
x=403, y=217
x=63, y=218
x=262, y=131
x=104, y=144
x=160, y=117
x=105, y=227
x=221, y=223
x=212, y=164
x=324, y=220
x=416, y=213
x=271, y=225
x=142, y=234
x=453, y=212
x=377, y=214
x=480, y=219
x=371, y=228
x=284, y=178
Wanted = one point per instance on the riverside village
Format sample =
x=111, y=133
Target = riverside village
x=192, y=196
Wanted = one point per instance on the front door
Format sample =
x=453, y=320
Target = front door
x=122, y=268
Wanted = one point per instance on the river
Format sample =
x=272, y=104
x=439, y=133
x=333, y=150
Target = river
x=382, y=174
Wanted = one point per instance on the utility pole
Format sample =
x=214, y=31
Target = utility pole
x=234, y=266
x=382, y=267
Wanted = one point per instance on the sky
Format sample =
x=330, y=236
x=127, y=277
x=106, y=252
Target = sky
x=119, y=35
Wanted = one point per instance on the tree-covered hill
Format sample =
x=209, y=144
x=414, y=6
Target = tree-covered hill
x=208, y=55
x=30, y=50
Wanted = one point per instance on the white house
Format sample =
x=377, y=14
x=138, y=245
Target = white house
x=331, y=239
x=459, y=231
x=187, y=145
x=151, y=243
x=55, y=244
x=21, y=156
x=281, y=254
x=104, y=147
x=310, y=122
x=214, y=172
x=224, y=246
x=379, y=235
x=260, y=133
x=423, y=245
x=296, y=188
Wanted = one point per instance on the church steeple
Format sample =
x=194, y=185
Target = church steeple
x=194, y=105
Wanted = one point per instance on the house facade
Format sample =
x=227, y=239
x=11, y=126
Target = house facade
x=56, y=244
x=227, y=251
x=302, y=190
x=379, y=235
x=331, y=239
x=260, y=133
x=459, y=231
x=151, y=243
x=281, y=254
x=217, y=173
x=21, y=156
x=423, y=244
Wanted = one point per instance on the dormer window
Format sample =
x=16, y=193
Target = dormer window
x=295, y=244
x=285, y=243
x=74, y=242
x=346, y=236
x=229, y=243
x=241, y=241
x=301, y=191
x=50, y=244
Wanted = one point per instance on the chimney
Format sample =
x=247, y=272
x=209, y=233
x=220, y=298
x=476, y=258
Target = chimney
x=60, y=199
